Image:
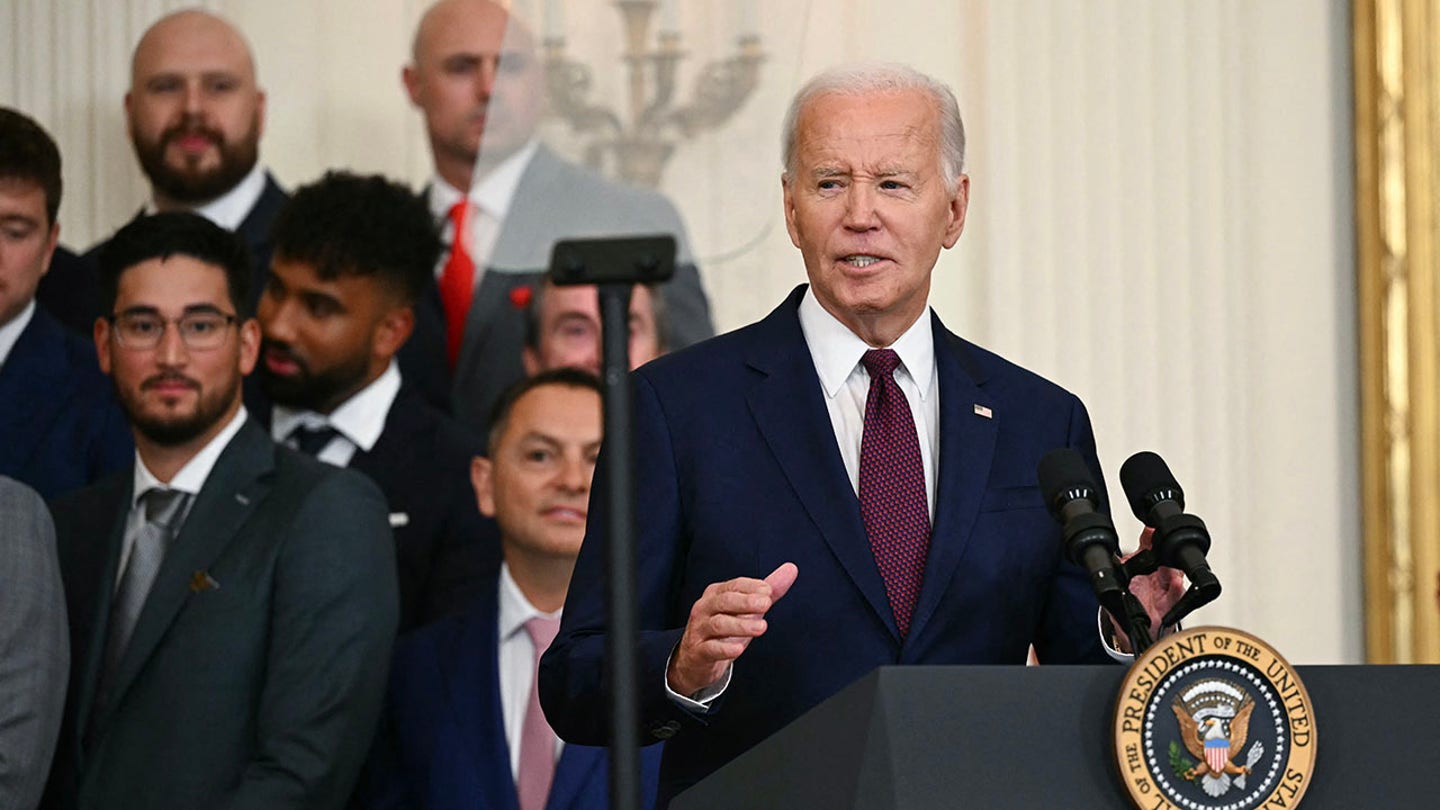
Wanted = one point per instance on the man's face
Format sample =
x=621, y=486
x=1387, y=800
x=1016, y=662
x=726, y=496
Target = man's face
x=27, y=241
x=570, y=330
x=866, y=205
x=194, y=112
x=537, y=482
x=477, y=79
x=325, y=339
x=173, y=394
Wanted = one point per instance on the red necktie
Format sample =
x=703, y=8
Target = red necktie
x=457, y=280
x=537, y=740
x=892, y=487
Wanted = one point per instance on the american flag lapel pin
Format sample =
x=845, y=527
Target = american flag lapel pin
x=981, y=410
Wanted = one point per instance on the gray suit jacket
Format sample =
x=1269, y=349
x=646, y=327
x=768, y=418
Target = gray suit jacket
x=257, y=667
x=34, y=649
x=554, y=200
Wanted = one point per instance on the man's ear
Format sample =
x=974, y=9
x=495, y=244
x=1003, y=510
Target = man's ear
x=482, y=479
x=394, y=329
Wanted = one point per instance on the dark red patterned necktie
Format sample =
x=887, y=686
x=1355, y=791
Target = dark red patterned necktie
x=892, y=487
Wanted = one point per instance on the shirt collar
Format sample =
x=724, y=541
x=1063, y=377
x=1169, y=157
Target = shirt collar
x=493, y=193
x=836, y=350
x=193, y=475
x=515, y=609
x=230, y=209
x=361, y=418
x=10, y=332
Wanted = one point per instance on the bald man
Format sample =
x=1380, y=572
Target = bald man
x=479, y=83
x=195, y=113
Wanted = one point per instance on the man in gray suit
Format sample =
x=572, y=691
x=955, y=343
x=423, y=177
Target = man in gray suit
x=503, y=199
x=232, y=603
x=34, y=651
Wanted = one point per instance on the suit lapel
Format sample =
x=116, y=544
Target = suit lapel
x=789, y=409
x=573, y=773
x=32, y=386
x=471, y=670
x=113, y=498
x=967, y=446
x=236, y=486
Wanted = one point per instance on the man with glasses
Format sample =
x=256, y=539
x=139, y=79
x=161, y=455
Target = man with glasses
x=232, y=603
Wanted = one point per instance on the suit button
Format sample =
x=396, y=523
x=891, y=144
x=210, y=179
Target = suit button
x=666, y=730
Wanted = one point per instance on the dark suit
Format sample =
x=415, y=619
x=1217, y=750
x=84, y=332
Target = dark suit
x=443, y=745
x=554, y=200
x=71, y=289
x=60, y=426
x=444, y=548
x=256, y=671
x=738, y=471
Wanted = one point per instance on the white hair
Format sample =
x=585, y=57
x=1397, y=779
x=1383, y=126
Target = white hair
x=885, y=77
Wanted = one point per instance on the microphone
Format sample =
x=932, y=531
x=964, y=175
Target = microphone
x=1074, y=501
x=1181, y=540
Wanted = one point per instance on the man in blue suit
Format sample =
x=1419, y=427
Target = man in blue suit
x=846, y=453
x=463, y=723
x=60, y=427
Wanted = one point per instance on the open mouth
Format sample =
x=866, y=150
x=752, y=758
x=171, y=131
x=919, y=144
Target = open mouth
x=861, y=260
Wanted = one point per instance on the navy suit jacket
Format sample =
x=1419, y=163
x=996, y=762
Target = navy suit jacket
x=738, y=471
x=71, y=289
x=60, y=426
x=443, y=742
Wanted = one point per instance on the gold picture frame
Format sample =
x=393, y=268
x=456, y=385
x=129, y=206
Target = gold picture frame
x=1397, y=160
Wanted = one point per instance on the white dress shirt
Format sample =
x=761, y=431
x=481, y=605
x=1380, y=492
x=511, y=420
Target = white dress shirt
x=229, y=209
x=190, y=479
x=359, y=420
x=10, y=332
x=490, y=199
x=517, y=664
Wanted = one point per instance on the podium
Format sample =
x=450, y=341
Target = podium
x=1023, y=737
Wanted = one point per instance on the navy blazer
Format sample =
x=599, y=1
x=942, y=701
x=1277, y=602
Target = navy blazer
x=60, y=426
x=443, y=744
x=738, y=471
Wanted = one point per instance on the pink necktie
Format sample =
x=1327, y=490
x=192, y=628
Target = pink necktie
x=537, y=741
x=892, y=487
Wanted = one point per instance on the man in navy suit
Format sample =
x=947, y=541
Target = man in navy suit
x=60, y=427
x=195, y=114
x=843, y=485
x=351, y=255
x=463, y=723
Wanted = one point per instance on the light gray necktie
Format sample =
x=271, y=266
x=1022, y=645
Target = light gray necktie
x=164, y=509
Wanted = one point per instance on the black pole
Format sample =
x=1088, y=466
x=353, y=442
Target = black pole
x=623, y=635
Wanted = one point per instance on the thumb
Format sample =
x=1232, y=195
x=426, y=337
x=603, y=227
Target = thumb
x=780, y=580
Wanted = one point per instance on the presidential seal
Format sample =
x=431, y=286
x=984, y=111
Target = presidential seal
x=1213, y=719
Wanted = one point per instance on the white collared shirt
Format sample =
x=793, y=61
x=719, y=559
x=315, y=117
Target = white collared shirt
x=836, y=352
x=359, y=420
x=190, y=479
x=491, y=197
x=10, y=332
x=229, y=209
x=517, y=664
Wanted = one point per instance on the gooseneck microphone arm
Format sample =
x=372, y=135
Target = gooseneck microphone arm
x=1181, y=540
x=1073, y=499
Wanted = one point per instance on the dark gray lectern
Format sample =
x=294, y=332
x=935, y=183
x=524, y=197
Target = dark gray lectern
x=1023, y=737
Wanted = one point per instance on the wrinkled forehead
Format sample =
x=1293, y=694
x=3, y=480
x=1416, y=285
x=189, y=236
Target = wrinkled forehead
x=870, y=130
x=192, y=43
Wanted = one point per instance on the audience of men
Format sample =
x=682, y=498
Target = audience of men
x=34, y=645
x=351, y=255
x=503, y=198
x=463, y=725
x=563, y=328
x=232, y=603
x=195, y=114
x=60, y=427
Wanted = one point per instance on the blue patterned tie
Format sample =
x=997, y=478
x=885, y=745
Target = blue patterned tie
x=892, y=487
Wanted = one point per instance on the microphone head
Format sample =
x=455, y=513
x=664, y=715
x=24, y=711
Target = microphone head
x=1147, y=481
x=1064, y=477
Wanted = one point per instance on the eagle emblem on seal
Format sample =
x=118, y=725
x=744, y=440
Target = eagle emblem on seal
x=1214, y=717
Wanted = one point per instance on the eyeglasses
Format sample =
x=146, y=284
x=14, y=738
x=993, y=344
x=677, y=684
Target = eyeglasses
x=145, y=330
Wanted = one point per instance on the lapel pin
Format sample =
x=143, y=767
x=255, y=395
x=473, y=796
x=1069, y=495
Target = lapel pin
x=398, y=519
x=981, y=410
x=202, y=581
x=244, y=501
